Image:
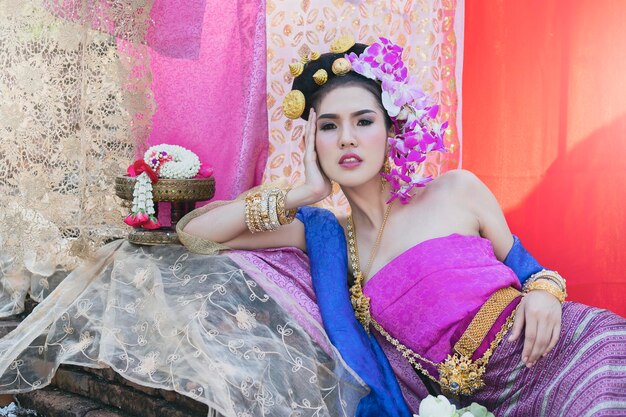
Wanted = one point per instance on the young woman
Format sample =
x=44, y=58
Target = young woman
x=430, y=283
x=242, y=331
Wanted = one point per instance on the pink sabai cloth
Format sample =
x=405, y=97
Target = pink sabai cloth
x=427, y=296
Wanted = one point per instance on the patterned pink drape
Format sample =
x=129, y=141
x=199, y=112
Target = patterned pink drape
x=208, y=67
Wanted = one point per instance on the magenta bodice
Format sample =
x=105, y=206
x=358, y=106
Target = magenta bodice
x=427, y=296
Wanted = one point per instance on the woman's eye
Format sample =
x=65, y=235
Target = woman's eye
x=327, y=126
x=364, y=122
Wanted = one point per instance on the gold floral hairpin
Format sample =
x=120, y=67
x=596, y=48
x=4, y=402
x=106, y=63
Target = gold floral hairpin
x=341, y=66
x=296, y=68
x=320, y=77
x=294, y=102
x=342, y=43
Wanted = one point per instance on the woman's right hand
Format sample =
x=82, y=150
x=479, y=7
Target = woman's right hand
x=316, y=183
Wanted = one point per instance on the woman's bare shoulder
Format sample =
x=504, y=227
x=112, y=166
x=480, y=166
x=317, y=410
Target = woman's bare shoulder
x=456, y=178
x=452, y=187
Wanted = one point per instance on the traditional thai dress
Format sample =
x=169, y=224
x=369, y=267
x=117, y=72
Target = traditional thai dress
x=427, y=297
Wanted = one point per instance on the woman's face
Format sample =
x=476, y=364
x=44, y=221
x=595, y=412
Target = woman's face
x=351, y=135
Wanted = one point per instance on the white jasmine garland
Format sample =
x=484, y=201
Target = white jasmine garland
x=172, y=161
x=162, y=161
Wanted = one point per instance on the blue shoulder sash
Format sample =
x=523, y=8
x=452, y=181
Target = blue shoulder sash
x=521, y=261
x=326, y=247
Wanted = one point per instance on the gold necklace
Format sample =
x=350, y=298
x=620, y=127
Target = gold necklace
x=458, y=374
x=361, y=302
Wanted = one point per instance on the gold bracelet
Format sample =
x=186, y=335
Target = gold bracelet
x=271, y=206
x=549, y=275
x=554, y=280
x=249, y=217
x=547, y=287
x=265, y=215
x=258, y=221
x=253, y=206
x=284, y=216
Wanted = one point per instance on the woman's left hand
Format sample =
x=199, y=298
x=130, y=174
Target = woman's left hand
x=540, y=313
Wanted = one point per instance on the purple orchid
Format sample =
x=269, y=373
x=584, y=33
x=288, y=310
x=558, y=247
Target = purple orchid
x=411, y=111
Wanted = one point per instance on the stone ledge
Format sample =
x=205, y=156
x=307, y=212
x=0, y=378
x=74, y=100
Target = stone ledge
x=104, y=386
x=51, y=402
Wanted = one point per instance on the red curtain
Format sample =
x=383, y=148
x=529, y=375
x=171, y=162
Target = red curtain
x=544, y=125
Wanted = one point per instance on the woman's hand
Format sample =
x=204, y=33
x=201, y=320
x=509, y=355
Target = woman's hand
x=540, y=313
x=316, y=183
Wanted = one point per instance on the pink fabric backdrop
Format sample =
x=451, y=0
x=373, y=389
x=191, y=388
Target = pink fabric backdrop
x=208, y=66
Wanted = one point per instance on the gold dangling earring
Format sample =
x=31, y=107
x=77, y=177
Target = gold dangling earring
x=386, y=170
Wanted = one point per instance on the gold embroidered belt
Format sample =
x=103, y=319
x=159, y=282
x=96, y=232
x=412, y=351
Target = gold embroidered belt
x=459, y=374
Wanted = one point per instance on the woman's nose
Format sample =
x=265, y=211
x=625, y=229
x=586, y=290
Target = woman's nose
x=347, y=139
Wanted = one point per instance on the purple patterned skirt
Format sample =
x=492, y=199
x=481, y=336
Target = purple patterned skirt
x=584, y=375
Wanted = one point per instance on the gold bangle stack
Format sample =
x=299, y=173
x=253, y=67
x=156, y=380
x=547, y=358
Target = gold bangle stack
x=549, y=281
x=265, y=211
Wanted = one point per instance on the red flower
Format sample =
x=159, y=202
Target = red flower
x=152, y=223
x=139, y=167
x=205, y=171
x=136, y=219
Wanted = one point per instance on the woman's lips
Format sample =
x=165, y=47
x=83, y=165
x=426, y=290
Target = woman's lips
x=350, y=161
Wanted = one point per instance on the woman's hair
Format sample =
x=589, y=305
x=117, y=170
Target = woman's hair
x=314, y=93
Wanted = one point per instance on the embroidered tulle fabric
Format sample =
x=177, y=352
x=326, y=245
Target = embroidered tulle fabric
x=240, y=331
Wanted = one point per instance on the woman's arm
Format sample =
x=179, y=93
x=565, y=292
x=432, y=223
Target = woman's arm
x=226, y=224
x=539, y=313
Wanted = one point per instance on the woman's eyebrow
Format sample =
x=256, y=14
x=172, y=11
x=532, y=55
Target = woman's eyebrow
x=335, y=116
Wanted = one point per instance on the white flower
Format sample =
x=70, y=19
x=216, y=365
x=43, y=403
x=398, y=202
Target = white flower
x=388, y=103
x=149, y=364
x=436, y=407
x=467, y=414
x=84, y=342
x=169, y=161
x=245, y=319
x=405, y=112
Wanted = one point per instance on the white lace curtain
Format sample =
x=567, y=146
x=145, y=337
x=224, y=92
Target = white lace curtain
x=75, y=103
